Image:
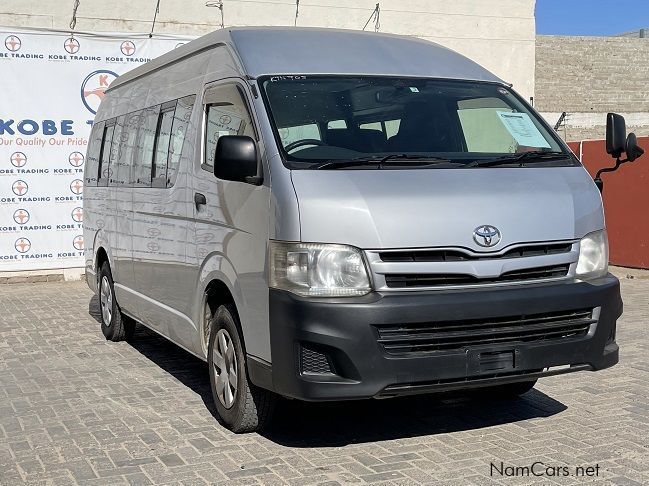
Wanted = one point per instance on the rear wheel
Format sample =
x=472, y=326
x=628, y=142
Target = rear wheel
x=114, y=325
x=242, y=406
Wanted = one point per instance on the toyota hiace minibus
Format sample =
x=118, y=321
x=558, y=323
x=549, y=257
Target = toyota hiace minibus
x=330, y=215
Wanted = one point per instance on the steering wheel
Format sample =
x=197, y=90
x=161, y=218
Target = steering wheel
x=300, y=143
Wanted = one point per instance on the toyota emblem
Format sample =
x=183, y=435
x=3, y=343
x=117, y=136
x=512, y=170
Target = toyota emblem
x=486, y=235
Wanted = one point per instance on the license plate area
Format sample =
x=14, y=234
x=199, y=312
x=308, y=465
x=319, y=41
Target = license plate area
x=492, y=361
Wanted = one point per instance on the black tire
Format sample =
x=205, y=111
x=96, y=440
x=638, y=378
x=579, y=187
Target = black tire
x=114, y=325
x=511, y=390
x=250, y=407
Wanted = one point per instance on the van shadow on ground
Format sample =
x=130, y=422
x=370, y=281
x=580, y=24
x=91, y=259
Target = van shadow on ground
x=334, y=424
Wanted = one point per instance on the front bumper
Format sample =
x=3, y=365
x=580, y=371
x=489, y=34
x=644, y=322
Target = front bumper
x=344, y=330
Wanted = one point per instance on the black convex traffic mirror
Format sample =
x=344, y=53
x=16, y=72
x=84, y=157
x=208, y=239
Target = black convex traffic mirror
x=632, y=149
x=617, y=143
x=236, y=159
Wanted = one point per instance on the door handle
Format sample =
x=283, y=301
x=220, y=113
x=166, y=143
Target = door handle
x=199, y=200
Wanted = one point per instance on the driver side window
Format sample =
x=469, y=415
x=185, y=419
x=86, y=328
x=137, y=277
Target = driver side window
x=226, y=113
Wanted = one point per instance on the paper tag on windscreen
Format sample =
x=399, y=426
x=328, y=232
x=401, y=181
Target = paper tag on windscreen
x=522, y=128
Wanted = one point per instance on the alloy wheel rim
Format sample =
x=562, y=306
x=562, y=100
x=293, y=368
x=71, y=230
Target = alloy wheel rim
x=106, y=302
x=224, y=360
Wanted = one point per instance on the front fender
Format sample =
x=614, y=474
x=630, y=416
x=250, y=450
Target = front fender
x=217, y=267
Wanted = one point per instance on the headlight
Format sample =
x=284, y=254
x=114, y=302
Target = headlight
x=593, y=255
x=313, y=269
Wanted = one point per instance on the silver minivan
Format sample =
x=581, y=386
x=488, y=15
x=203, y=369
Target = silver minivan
x=331, y=215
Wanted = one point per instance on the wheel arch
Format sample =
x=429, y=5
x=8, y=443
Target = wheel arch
x=217, y=292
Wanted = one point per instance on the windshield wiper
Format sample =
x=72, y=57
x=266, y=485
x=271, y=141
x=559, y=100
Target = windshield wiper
x=380, y=160
x=523, y=157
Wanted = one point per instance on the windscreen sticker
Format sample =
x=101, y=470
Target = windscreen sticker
x=522, y=128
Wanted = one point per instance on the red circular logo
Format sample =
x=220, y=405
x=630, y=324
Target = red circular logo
x=20, y=188
x=127, y=48
x=21, y=216
x=77, y=215
x=76, y=159
x=22, y=245
x=71, y=45
x=76, y=186
x=13, y=43
x=18, y=159
x=78, y=242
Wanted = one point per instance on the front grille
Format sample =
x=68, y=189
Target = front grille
x=405, y=280
x=456, y=335
x=459, y=256
x=312, y=361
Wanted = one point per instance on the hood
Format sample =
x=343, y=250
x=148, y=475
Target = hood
x=414, y=208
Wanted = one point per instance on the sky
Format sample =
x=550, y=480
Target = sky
x=591, y=17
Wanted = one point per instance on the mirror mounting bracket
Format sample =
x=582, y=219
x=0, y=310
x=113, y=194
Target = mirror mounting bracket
x=598, y=179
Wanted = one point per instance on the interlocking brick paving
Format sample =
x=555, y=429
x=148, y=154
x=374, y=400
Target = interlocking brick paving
x=76, y=409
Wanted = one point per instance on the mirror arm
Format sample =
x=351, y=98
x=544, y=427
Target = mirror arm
x=618, y=163
x=598, y=180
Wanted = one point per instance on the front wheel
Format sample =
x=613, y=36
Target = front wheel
x=242, y=406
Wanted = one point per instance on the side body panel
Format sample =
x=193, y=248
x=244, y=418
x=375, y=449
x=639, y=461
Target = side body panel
x=162, y=226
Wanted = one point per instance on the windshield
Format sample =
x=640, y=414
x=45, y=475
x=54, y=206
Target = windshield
x=335, y=118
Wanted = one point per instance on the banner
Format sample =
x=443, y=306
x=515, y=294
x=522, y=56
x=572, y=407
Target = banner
x=51, y=84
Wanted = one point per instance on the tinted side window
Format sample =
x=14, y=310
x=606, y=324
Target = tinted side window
x=161, y=152
x=115, y=151
x=123, y=173
x=142, y=163
x=104, y=156
x=226, y=114
x=178, y=132
x=91, y=169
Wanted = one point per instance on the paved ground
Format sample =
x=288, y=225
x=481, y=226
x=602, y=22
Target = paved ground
x=75, y=408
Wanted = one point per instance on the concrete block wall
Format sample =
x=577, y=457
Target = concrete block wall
x=499, y=34
x=590, y=76
x=597, y=74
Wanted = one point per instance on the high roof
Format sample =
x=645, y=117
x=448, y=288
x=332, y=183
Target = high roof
x=297, y=50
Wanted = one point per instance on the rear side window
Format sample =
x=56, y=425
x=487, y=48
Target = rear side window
x=115, y=150
x=139, y=149
x=122, y=175
x=91, y=169
x=142, y=163
x=161, y=152
x=179, y=128
x=104, y=156
x=226, y=114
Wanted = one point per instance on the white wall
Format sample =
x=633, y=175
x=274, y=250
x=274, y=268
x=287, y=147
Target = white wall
x=499, y=34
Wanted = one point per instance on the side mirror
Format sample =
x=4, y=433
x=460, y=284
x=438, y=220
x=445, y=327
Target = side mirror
x=632, y=149
x=616, y=143
x=236, y=159
x=615, y=134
